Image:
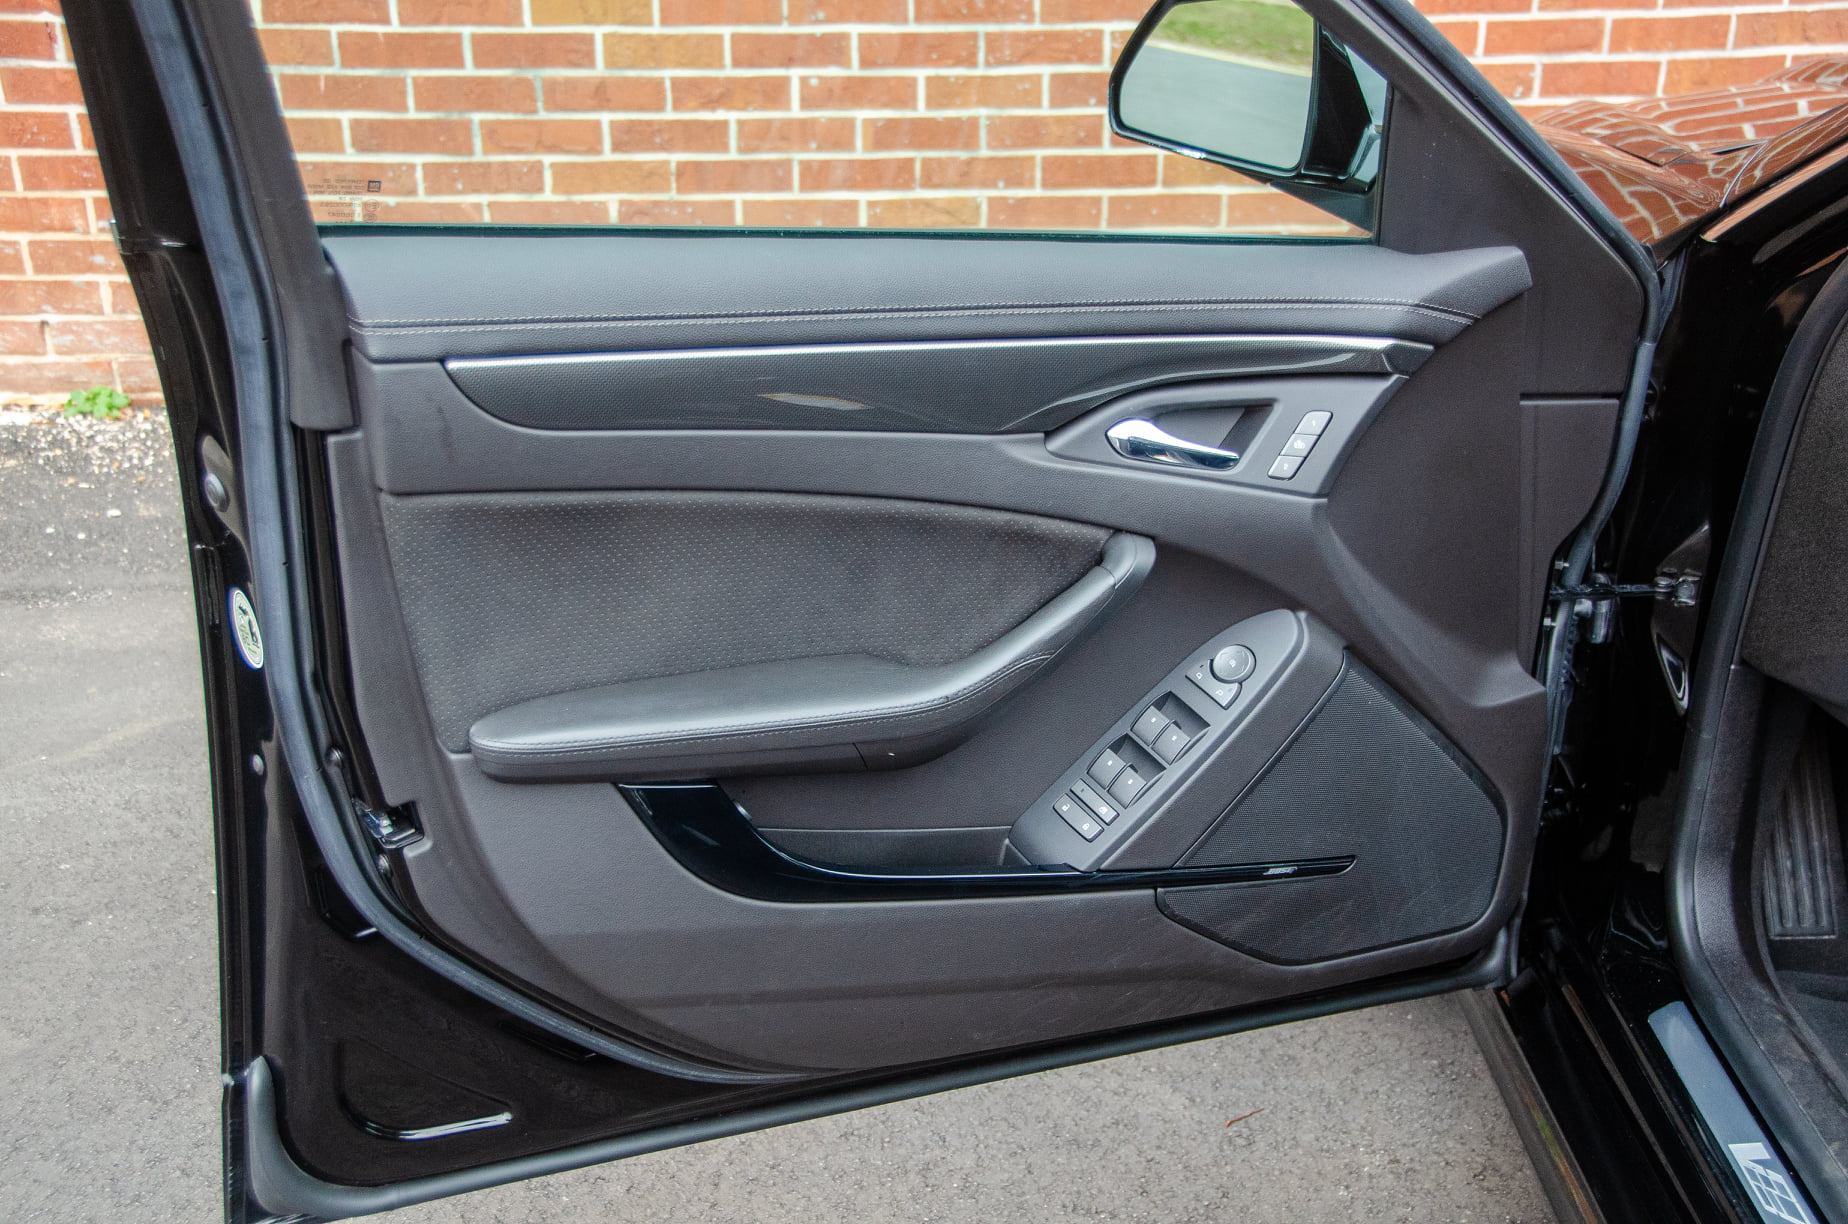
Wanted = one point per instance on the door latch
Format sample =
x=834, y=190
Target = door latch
x=1596, y=601
x=392, y=829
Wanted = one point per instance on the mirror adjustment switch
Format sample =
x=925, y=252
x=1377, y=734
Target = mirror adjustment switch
x=1223, y=695
x=1314, y=423
x=1171, y=744
x=1082, y=822
x=1149, y=727
x=1127, y=786
x=1234, y=664
x=1106, y=767
x=1285, y=467
x=1093, y=802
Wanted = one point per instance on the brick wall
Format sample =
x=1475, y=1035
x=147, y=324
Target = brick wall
x=892, y=113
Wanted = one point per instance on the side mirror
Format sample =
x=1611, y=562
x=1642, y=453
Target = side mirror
x=1259, y=86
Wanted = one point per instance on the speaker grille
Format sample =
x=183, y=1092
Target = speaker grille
x=1365, y=776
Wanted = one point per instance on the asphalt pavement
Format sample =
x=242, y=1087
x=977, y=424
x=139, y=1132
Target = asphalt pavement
x=108, y=981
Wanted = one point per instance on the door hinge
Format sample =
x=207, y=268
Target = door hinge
x=393, y=828
x=1596, y=601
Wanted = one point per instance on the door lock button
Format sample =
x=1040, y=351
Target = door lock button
x=1149, y=727
x=1082, y=822
x=1106, y=767
x=1093, y=802
x=1234, y=664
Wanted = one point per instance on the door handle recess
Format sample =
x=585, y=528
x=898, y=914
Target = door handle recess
x=1139, y=438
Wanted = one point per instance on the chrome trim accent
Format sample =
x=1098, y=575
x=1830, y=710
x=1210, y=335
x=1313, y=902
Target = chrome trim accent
x=1273, y=353
x=1138, y=438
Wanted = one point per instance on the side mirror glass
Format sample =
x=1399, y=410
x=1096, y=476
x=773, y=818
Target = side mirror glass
x=1252, y=84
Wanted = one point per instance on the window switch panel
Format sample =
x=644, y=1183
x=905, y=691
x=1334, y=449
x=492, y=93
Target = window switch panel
x=1171, y=744
x=1149, y=727
x=1128, y=785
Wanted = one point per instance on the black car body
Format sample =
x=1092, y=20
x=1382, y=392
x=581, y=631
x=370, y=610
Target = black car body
x=1499, y=687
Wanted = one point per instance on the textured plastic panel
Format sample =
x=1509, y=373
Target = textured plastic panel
x=1366, y=776
x=515, y=596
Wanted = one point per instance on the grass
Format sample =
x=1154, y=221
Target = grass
x=1261, y=30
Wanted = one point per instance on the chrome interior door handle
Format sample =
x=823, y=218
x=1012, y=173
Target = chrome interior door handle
x=1137, y=438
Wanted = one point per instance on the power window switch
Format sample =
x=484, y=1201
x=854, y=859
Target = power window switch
x=1314, y=423
x=1127, y=786
x=1082, y=822
x=1149, y=727
x=1285, y=467
x=1106, y=767
x=1093, y=802
x=1299, y=444
x=1171, y=743
x=1223, y=694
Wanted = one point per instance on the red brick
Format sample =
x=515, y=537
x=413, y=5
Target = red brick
x=1465, y=36
x=283, y=48
x=977, y=173
x=315, y=135
x=410, y=136
x=983, y=91
x=541, y=136
x=35, y=130
x=1605, y=78
x=422, y=212
x=1070, y=90
x=593, y=12
x=728, y=13
x=12, y=259
x=925, y=212
x=1071, y=12
x=1670, y=33
x=849, y=12
x=1443, y=7
x=730, y=93
x=326, y=12
x=791, y=214
x=19, y=337
x=1170, y=211
x=1714, y=72
x=534, y=50
x=523, y=177
x=459, y=12
x=1044, y=131
x=139, y=377
x=113, y=337
x=664, y=50
x=28, y=40
x=55, y=377
x=27, y=297
x=1513, y=80
x=475, y=93
x=672, y=135
x=920, y=49
x=119, y=299
x=1045, y=212
x=549, y=212
x=1097, y=170
x=1567, y=5
x=1268, y=209
x=802, y=135
x=29, y=6
x=59, y=172
x=1812, y=29
x=830, y=50
x=43, y=215
x=341, y=91
x=1043, y=47
x=732, y=177
x=570, y=178
x=73, y=257
x=986, y=12
x=857, y=93
x=885, y=135
x=858, y=174
x=605, y=93
x=676, y=212
x=399, y=49
x=1545, y=35
x=41, y=86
